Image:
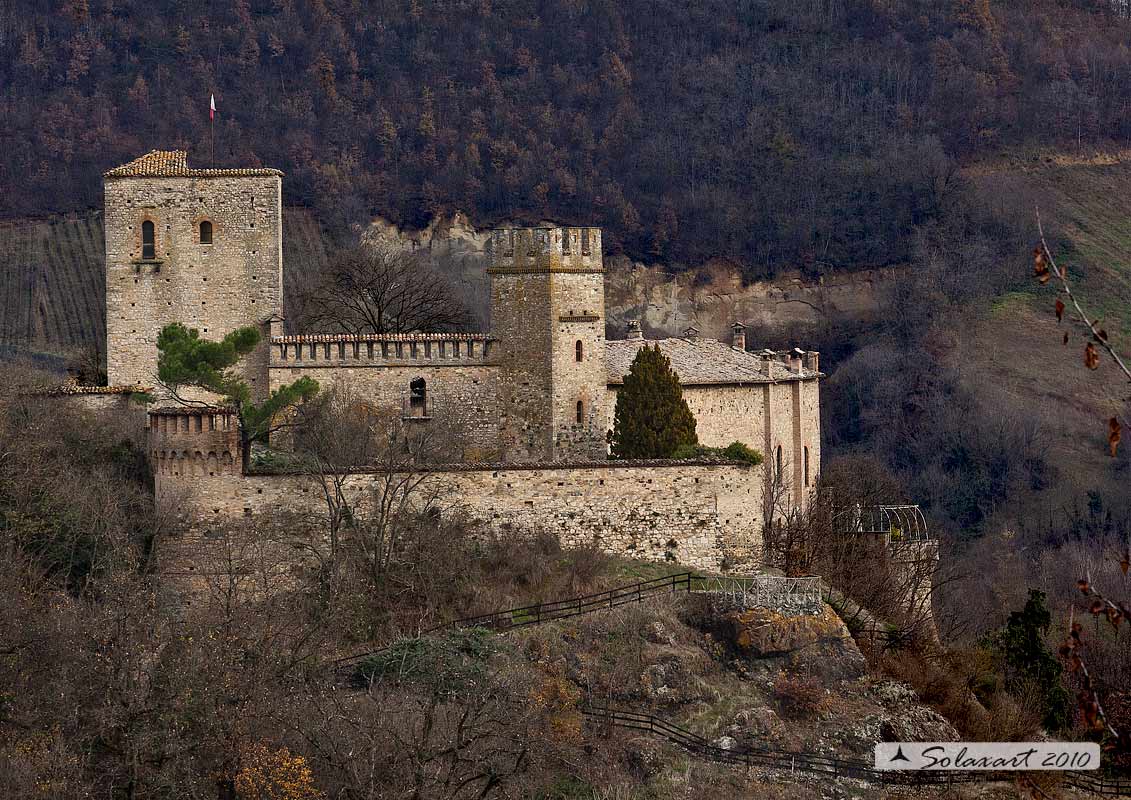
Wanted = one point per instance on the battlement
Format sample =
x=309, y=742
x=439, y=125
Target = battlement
x=194, y=441
x=381, y=350
x=519, y=250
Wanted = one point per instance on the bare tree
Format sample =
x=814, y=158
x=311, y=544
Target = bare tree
x=375, y=470
x=380, y=288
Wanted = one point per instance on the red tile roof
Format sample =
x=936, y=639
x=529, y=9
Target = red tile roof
x=174, y=164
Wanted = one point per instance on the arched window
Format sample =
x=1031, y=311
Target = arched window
x=578, y=350
x=148, y=241
x=206, y=232
x=778, y=462
x=418, y=397
x=806, y=466
x=580, y=411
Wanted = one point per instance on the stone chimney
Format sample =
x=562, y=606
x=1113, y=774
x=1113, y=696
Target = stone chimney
x=738, y=336
x=767, y=362
x=813, y=361
x=635, y=334
x=795, y=356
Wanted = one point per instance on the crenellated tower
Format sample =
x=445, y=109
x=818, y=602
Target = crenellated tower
x=548, y=315
x=198, y=246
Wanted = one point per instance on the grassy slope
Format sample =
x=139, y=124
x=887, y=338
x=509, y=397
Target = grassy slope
x=1016, y=348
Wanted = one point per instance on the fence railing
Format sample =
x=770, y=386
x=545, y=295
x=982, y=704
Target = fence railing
x=538, y=613
x=827, y=766
x=765, y=590
x=756, y=590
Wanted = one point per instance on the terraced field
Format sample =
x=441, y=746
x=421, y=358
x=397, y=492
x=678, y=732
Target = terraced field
x=51, y=284
x=52, y=295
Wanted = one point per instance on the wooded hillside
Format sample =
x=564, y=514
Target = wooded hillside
x=818, y=133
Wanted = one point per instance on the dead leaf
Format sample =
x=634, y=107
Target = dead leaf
x=1083, y=586
x=1114, y=433
x=1125, y=561
x=1040, y=266
x=1059, y=310
x=1066, y=337
x=1097, y=607
x=1091, y=356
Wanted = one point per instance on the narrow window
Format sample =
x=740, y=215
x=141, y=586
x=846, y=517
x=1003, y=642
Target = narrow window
x=565, y=241
x=806, y=466
x=777, y=459
x=578, y=351
x=206, y=232
x=148, y=241
x=418, y=397
x=580, y=410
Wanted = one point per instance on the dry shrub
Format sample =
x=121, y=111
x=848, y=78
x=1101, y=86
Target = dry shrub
x=797, y=696
x=960, y=689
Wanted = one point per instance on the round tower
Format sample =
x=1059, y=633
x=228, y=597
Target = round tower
x=188, y=445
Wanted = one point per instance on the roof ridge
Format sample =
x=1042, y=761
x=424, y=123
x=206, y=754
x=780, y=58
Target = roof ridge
x=174, y=164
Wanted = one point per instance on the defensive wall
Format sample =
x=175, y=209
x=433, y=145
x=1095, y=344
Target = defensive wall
x=706, y=514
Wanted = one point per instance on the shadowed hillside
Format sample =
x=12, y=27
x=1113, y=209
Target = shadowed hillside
x=779, y=134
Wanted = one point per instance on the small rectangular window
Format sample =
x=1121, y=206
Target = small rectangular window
x=148, y=241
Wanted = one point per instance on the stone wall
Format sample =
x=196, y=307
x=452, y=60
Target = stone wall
x=764, y=416
x=703, y=514
x=547, y=294
x=235, y=281
x=460, y=374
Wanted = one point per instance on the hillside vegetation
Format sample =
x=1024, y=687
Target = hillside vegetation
x=818, y=134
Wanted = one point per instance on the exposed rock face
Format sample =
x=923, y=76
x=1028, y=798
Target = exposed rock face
x=712, y=297
x=818, y=645
x=709, y=297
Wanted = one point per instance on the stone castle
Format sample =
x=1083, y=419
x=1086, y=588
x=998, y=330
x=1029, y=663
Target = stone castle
x=530, y=402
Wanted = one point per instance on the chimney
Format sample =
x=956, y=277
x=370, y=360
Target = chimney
x=767, y=357
x=691, y=332
x=635, y=334
x=813, y=361
x=738, y=336
x=795, y=356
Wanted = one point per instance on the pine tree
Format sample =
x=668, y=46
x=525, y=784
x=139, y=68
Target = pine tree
x=652, y=419
x=1029, y=662
x=184, y=359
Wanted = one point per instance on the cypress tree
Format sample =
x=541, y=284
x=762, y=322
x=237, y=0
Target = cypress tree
x=652, y=419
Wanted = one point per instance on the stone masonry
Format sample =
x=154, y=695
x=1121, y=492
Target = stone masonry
x=534, y=397
x=215, y=287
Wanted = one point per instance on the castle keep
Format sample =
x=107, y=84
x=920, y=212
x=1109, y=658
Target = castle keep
x=531, y=401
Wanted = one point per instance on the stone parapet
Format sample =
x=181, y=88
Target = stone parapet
x=534, y=250
x=425, y=349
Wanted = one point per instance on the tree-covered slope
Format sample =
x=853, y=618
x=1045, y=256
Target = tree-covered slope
x=817, y=134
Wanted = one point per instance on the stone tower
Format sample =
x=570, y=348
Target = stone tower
x=548, y=315
x=198, y=246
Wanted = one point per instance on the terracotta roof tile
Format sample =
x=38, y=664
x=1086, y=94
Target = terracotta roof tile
x=383, y=337
x=74, y=388
x=700, y=362
x=174, y=164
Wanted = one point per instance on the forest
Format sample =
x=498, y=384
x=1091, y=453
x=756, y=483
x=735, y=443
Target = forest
x=818, y=134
